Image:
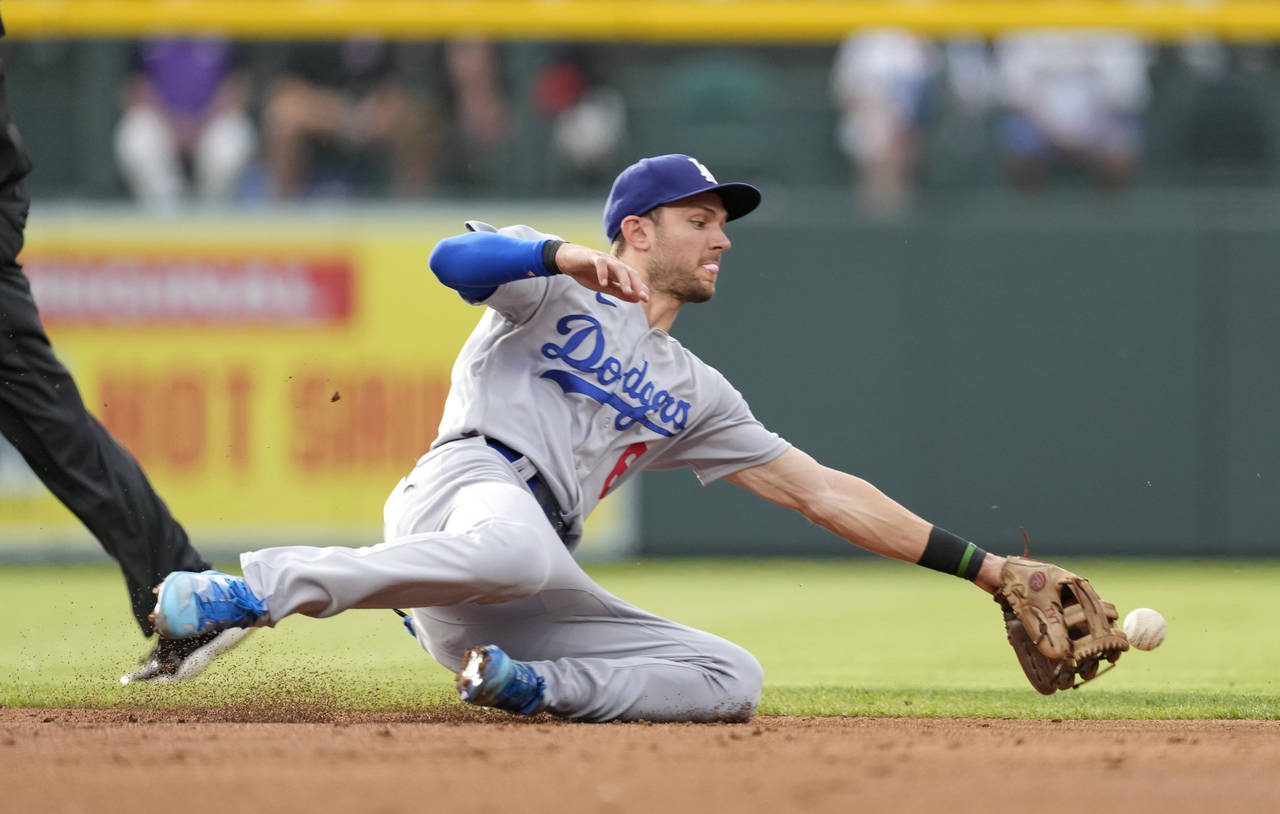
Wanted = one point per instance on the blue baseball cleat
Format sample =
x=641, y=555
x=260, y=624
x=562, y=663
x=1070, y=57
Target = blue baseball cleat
x=491, y=678
x=189, y=604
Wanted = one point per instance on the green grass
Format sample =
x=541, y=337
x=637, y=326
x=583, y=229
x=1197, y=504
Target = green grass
x=838, y=637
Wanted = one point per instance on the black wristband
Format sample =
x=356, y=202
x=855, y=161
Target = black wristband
x=949, y=554
x=549, y=250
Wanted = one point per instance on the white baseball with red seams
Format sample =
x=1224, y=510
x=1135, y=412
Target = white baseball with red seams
x=1145, y=628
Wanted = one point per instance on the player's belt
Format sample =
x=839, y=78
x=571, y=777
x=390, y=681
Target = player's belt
x=541, y=492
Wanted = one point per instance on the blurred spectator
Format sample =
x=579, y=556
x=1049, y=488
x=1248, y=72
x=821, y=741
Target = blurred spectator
x=1071, y=97
x=971, y=78
x=588, y=117
x=185, y=122
x=335, y=113
x=960, y=144
x=480, y=112
x=881, y=84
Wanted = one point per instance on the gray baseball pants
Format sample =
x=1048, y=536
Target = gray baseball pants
x=471, y=552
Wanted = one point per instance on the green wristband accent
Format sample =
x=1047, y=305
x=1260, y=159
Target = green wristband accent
x=950, y=554
x=964, y=561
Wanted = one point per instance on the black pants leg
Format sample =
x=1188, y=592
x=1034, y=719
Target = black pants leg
x=44, y=417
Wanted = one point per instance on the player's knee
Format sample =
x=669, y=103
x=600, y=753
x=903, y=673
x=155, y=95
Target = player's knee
x=514, y=561
x=742, y=678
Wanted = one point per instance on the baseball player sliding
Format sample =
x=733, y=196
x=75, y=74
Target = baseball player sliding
x=569, y=386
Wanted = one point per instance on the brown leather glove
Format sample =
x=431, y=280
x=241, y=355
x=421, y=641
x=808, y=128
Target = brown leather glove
x=1057, y=624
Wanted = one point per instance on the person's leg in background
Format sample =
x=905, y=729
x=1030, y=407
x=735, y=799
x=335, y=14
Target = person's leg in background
x=43, y=416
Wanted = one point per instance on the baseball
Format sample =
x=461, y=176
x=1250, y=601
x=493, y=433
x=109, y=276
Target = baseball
x=1145, y=628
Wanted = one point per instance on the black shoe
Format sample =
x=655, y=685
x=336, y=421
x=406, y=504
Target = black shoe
x=180, y=659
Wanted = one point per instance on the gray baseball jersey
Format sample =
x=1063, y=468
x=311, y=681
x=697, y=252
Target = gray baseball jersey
x=581, y=385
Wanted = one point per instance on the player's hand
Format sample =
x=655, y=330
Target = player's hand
x=601, y=272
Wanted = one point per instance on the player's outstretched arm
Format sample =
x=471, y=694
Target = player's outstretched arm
x=600, y=271
x=1058, y=626
x=852, y=508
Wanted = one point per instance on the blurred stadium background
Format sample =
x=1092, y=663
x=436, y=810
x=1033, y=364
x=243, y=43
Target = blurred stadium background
x=999, y=334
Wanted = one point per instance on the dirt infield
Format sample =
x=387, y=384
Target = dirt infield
x=64, y=760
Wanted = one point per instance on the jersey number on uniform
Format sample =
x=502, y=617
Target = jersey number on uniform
x=625, y=460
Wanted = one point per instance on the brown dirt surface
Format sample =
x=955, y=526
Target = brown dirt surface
x=463, y=760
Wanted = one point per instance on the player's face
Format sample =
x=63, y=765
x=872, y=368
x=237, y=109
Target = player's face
x=688, y=241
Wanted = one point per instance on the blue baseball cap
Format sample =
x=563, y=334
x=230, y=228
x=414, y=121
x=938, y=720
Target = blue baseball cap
x=664, y=179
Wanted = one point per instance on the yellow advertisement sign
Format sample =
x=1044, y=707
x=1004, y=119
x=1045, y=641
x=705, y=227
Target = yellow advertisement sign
x=275, y=376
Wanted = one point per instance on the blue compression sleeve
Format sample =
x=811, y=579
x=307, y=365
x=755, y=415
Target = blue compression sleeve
x=476, y=263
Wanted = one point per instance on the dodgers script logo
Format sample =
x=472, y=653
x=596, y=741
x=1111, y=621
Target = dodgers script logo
x=584, y=351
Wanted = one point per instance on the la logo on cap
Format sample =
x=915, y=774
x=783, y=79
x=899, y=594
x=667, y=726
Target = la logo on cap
x=663, y=179
x=702, y=168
